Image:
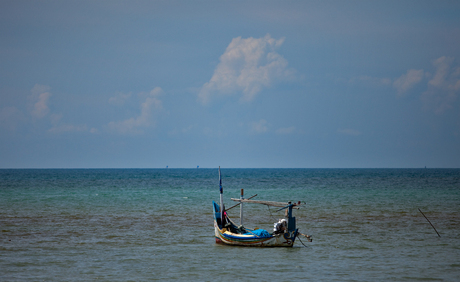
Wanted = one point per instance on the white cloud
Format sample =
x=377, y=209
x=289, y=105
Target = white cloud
x=39, y=109
x=407, y=81
x=247, y=66
x=285, y=130
x=258, y=127
x=183, y=130
x=144, y=120
x=442, y=66
x=443, y=87
x=349, y=131
x=119, y=98
x=60, y=127
x=39, y=99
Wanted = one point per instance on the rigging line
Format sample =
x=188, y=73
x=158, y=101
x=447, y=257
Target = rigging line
x=270, y=213
x=298, y=238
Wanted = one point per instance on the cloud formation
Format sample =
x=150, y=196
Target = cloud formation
x=408, y=80
x=443, y=87
x=247, y=66
x=144, y=120
x=39, y=99
x=60, y=127
x=258, y=127
x=119, y=99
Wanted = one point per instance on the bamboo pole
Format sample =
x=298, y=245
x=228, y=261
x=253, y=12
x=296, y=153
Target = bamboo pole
x=429, y=222
x=240, y=203
x=268, y=203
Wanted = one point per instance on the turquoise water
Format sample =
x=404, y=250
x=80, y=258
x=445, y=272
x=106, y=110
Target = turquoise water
x=156, y=224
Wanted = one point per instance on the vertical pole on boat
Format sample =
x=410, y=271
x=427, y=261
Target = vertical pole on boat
x=241, y=207
x=291, y=219
x=221, y=200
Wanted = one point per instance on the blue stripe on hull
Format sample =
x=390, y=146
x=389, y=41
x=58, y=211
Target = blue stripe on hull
x=238, y=240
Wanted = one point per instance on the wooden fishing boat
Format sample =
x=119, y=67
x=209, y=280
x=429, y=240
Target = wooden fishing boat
x=227, y=232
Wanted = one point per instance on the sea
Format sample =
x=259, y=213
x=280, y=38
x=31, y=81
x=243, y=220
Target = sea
x=157, y=224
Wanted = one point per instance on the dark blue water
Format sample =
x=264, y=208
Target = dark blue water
x=156, y=224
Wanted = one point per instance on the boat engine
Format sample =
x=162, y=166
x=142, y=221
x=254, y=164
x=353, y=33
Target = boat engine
x=280, y=226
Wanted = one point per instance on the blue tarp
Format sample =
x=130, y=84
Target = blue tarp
x=259, y=233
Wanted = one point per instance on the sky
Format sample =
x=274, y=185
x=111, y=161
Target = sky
x=236, y=84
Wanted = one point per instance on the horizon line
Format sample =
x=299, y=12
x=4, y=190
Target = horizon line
x=197, y=168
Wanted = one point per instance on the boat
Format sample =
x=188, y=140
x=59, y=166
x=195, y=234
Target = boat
x=227, y=232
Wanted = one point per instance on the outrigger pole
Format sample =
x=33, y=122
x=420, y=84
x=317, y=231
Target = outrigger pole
x=240, y=203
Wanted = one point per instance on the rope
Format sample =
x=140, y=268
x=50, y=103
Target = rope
x=308, y=238
x=302, y=242
x=270, y=213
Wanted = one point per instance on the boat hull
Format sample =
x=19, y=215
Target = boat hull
x=223, y=236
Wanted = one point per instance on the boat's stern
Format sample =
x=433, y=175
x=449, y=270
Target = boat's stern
x=217, y=221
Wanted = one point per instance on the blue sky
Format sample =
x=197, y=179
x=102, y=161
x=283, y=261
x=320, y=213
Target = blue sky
x=297, y=84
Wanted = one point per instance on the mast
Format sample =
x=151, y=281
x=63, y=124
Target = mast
x=241, y=207
x=221, y=200
x=291, y=219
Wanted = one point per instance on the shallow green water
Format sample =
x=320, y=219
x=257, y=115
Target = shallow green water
x=137, y=225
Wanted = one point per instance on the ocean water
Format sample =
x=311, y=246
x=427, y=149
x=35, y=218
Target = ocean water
x=156, y=224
